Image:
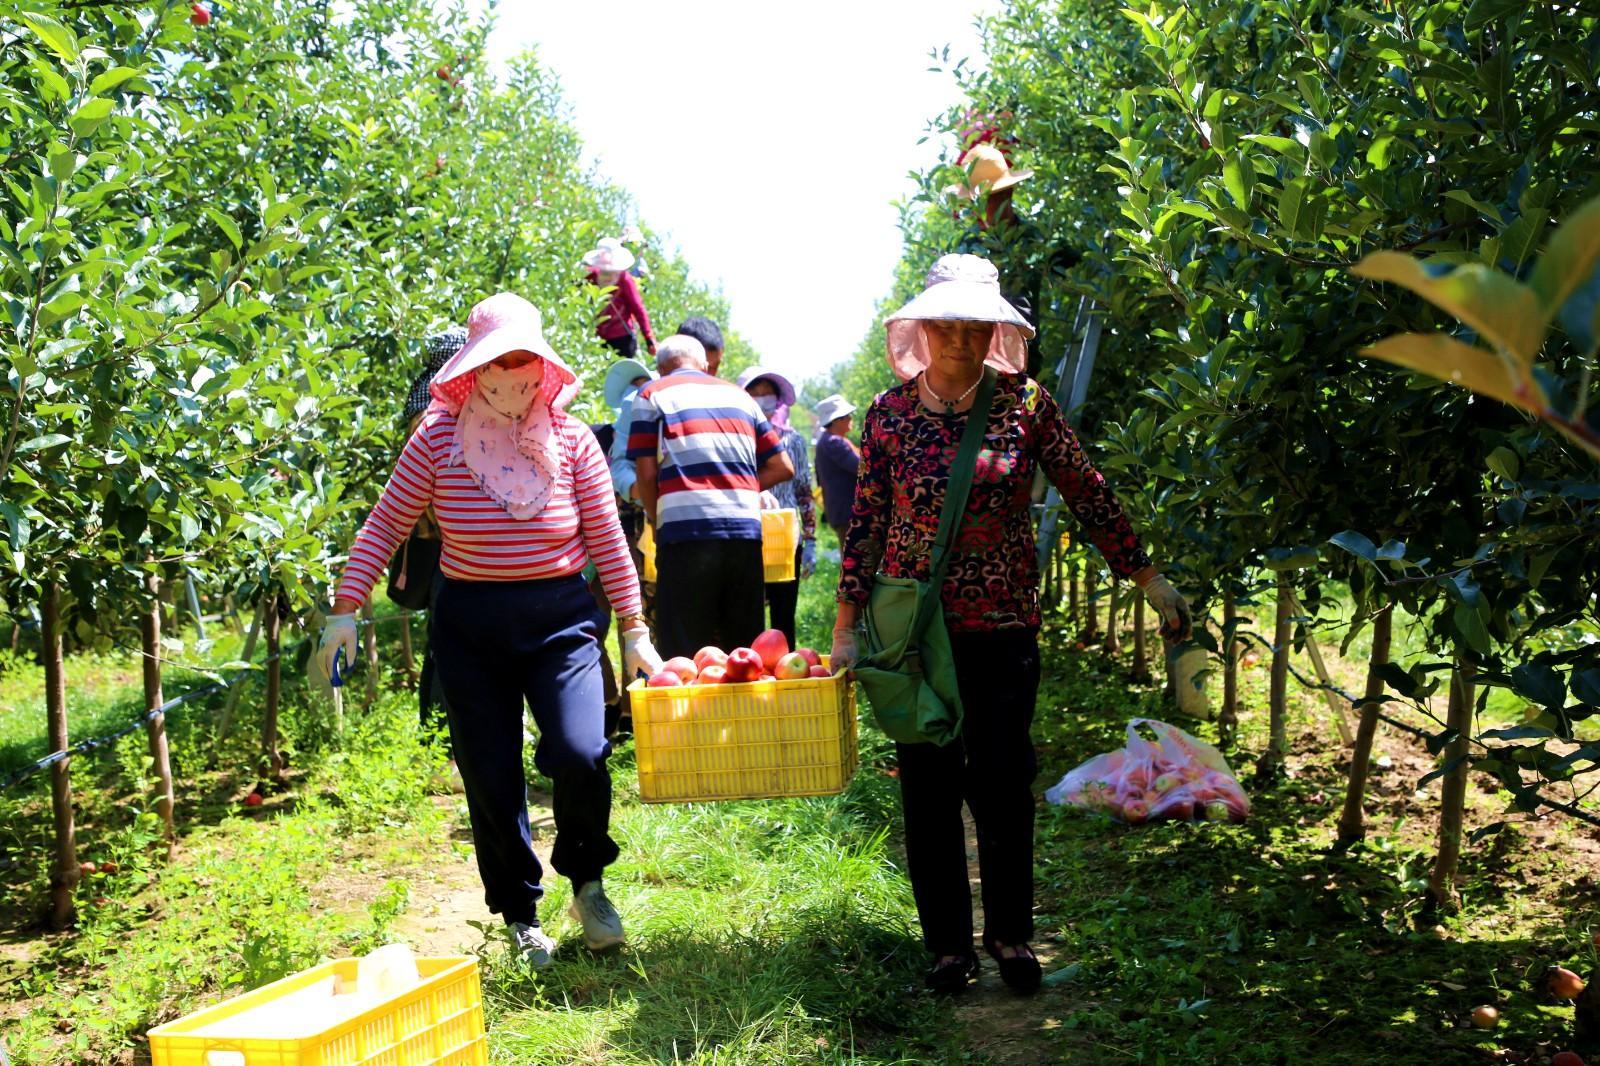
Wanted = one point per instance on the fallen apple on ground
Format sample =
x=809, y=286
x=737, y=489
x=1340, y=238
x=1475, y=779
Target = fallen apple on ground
x=1485, y=1017
x=1563, y=983
x=253, y=800
x=1567, y=1058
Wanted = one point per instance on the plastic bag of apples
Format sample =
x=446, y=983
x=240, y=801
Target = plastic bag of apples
x=1174, y=777
x=768, y=658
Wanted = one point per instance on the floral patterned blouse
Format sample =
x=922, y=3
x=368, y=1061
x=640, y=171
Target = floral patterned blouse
x=992, y=581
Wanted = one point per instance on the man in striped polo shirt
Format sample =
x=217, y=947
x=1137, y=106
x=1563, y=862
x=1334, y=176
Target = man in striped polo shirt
x=704, y=453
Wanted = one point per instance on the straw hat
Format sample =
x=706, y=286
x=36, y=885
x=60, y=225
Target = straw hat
x=750, y=375
x=987, y=171
x=609, y=254
x=620, y=377
x=960, y=288
x=501, y=324
x=832, y=408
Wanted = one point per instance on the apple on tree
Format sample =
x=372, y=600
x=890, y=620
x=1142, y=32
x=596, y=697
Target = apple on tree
x=200, y=15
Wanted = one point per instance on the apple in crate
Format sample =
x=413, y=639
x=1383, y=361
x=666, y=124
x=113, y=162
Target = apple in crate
x=792, y=667
x=744, y=665
x=713, y=675
x=810, y=656
x=710, y=656
x=686, y=670
x=664, y=678
x=771, y=645
x=820, y=671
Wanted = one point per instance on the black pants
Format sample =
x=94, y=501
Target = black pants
x=627, y=345
x=708, y=592
x=991, y=765
x=782, y=596
x=500, y=643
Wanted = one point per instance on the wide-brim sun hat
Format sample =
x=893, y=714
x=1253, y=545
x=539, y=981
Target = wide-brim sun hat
x=620, y=377
x=832, y=408
x=960, y=288
x=987, y=171
x=750, y=375
x=609, y=254
x=498, y=325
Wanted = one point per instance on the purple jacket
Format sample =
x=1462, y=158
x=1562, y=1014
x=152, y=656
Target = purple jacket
x=836, y=466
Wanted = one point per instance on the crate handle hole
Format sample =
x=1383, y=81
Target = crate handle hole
x=225, y=1058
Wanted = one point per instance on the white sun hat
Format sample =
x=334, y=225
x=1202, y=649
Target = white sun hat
x=832, y=408
x=609, y=254
x=960, y=288
x=750, y=375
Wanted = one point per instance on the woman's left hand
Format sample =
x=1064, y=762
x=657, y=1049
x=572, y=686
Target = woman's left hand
x=638, y=654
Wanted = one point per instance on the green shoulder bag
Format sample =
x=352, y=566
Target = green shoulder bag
x=906, y=669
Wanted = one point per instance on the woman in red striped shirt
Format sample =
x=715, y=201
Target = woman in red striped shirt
x=522, y=495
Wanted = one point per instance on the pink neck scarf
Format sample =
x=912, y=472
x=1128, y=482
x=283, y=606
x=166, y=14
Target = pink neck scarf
x=506, y=436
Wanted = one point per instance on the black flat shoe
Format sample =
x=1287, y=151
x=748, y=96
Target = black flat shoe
x=952, y=975
x=1021, y=973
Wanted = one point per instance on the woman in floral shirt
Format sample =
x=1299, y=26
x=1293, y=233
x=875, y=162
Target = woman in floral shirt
x=938, y=346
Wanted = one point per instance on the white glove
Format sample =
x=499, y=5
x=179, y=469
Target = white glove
x=1171, y=606
x=638, y=655
x=338, y=632
x=769, y=502
x=845, y=650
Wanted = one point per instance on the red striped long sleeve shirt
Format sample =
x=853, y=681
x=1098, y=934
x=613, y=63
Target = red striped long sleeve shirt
x=484, y=543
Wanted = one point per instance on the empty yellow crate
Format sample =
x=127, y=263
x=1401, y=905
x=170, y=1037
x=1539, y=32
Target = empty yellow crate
x=437, y=1023
x=780, y=539
x=758, y=740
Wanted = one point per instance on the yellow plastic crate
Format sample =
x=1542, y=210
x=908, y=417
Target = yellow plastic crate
x=437, y=1023
x=756, y=740
x=780, y=539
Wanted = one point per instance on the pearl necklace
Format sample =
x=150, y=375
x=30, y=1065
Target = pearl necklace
x=949, y=405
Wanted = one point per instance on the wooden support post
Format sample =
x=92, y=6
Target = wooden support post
x=1330, y=697
x=269, y=722
x=1113, y=644
x=1091, y=610
x=1352, y=825
x=1141, y=648
x=225, y=719
x=370, y=646
x=64, y=873
x=156, y=726
x=1271, y=761
x=1228, y=717
x=1453, y=794
x=1072, y=592
x=408, y=659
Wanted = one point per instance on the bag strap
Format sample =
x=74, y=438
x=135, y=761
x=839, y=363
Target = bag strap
x=955, y=502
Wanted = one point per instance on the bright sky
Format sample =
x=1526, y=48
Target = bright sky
x=768, y=141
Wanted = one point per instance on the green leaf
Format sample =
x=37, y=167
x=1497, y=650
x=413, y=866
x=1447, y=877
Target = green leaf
x=230, y=229
x=188, y=528
x=1469, y=623
x=1392, y=550
x=1504, y=461
x=1570, y=260
x=1291, y=206
x=1356, y=544
x=58, y=37
x=1233, y=177
x=1540, y=683
x=1449, y=360
x=110, y=79
x=90, y=115
x=1497, y=306
x=62, y=162
x=49, y=440
x=1520, y=240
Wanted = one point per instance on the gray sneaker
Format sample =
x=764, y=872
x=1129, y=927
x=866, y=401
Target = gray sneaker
x=531, y=944
x=602, y=926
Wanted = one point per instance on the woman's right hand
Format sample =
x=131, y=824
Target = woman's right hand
x=846, y=651
x=338, y=634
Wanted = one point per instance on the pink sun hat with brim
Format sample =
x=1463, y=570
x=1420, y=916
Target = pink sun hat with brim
x=960, y=288
x=498, y=325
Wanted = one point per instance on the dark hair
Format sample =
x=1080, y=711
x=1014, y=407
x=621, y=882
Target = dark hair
x=703, y=330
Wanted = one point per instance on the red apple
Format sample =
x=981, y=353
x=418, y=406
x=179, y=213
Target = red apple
x=1135, y=811
x=743, y=665
x=109, y=867
x=810, y=656
x=200, y=15
x=792, y=667
x=1566, y=1058
x=710, y=656
x=443, y=73
x=686, y=670
x=1563, y=983
x=664, y=678
x=253, y=800
x=713, y=675
x=767, y=677
x=771, y=645
x=820, y=671
x=87, y=868
x=1485, y=1017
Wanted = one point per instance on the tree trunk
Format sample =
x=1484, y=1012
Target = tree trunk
x=1271, y=761
x=370, y=646
x=1072, y=592
x=1113, y=643
x=225, y=721
x=156, y=727
x=1141, y=649
x=407, y=656
x=64, y=876
x=269, y=722
x=1228, y=717
x=1091, y=611
x=1453, y=796
x=1352, y=826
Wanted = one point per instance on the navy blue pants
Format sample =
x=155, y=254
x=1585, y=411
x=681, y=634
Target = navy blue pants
x=496, y=644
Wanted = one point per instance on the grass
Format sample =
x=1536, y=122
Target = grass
x=783, y=931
